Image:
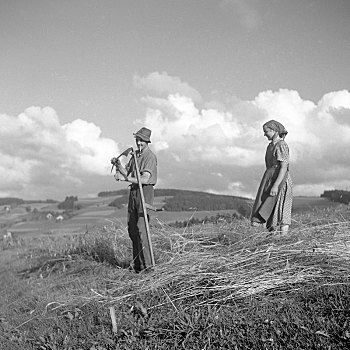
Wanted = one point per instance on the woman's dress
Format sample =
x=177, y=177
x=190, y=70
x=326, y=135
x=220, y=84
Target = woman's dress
x=277, y=210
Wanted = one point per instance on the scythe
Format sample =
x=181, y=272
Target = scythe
x=144, y=205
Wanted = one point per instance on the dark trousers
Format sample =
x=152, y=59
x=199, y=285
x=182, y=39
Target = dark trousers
x=137, y=228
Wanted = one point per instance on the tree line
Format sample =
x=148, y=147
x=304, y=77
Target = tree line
x=218, y=218
x=13, y=201
x=183, y=200
x=68, y=203
x=339, y=196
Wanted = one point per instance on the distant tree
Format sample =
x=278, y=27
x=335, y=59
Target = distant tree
x=337, y=196
x=119, y=202
x=50, y=201
x=68, y=203
x=113, y=193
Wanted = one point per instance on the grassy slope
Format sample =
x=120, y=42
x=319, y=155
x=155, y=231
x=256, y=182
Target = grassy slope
x=214, y=286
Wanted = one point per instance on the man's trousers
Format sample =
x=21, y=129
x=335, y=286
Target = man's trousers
x=137, y=228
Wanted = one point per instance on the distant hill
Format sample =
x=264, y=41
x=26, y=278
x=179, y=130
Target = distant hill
x=184, y=200
x=158, y=192
x=19, y=201
x=11, y=201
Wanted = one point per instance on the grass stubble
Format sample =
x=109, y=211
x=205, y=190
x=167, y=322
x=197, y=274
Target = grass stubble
x=214, y=286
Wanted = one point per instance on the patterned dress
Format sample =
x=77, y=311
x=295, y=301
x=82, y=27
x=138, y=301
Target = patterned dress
x=277, y=210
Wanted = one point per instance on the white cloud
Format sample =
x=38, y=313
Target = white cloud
x=194, y=144
x=96, y=150
x=162, y=83
x=218, y=148
x=41, y=157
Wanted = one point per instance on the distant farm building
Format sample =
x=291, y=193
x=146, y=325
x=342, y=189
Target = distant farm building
x=8, y=238
x=49, y=216
x=59, y=218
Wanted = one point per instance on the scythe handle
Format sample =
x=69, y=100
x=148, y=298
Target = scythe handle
x=144, y=210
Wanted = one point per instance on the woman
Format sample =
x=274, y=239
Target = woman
x=273, y=203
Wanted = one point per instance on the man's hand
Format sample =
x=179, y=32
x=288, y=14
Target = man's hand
x=120, y=177
x=116, y=162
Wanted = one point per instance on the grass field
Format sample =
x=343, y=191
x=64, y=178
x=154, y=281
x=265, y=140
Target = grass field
x=214, y=286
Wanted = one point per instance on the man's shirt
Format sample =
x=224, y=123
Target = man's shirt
x=147, y=162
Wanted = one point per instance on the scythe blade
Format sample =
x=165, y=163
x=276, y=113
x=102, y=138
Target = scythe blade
x=125, y=153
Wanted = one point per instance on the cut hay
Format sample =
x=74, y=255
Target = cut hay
x=216, y=265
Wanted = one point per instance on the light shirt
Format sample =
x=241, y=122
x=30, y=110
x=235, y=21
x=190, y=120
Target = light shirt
x=147, y=162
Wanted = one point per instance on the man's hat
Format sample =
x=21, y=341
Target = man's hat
x=144, y=134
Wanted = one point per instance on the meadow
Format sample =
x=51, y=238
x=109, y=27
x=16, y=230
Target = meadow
x=214, y=286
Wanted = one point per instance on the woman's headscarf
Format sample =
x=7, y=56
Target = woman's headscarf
x=277, y=126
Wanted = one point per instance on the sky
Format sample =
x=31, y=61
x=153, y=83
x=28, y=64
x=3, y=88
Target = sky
x=79, y=77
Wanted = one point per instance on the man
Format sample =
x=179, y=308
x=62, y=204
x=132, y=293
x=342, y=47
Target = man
x=147, y=163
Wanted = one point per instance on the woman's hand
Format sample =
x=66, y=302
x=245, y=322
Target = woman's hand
x=274, y=190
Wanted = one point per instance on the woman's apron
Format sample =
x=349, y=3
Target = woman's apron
x=264, y=203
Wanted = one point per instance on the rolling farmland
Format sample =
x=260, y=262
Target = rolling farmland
x=96, y=211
